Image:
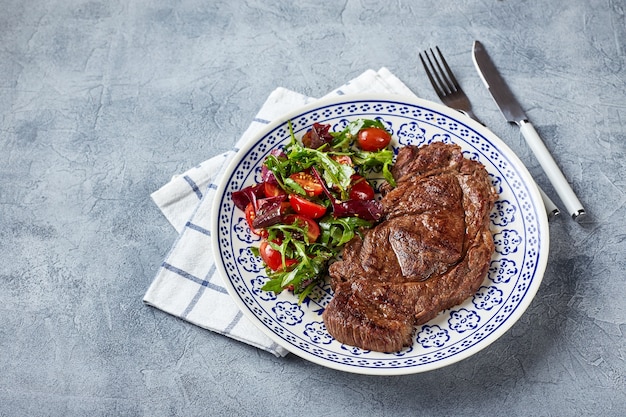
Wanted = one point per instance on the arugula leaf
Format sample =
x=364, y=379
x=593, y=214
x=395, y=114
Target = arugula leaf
x=291, y=185
x=280, y=168
x=337, y=232
x=378, y=161
x=334, y=173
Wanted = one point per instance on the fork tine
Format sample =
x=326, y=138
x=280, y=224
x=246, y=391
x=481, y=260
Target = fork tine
x=449, y=72
x=444, y=80
x=444, y=86
x=445, y=83
x=429, y=74
x=440, y=85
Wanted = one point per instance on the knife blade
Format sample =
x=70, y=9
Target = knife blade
x=513, y=113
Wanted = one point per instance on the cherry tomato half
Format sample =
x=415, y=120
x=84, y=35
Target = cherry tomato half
x=272, y=190
x=307, y=181
x=373, y=139
x=361, y=189
x=305, y=207
x=312, y=228
x=273, y=258
x=250, y=215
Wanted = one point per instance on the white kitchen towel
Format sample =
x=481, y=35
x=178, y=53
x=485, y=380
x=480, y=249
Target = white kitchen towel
x=187, y=284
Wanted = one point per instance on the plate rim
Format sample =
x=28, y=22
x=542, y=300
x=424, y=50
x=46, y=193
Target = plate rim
x=542, y=224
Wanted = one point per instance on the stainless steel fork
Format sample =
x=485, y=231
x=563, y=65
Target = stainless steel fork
x=445, y=84
x=449, y=91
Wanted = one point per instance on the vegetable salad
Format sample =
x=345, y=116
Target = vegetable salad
x=315, y=197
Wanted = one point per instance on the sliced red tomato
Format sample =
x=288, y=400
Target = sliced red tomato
x=272, y=190
x=312, y=228
x=305, y=207
x=273, y=258
x=361, y=189
x=307, y=181
x=373, y=139
x=250, y=216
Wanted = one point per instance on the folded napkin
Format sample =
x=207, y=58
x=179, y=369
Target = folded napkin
x=187, y=284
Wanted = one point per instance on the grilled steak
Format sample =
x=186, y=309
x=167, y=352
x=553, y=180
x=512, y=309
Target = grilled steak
x=430, y=252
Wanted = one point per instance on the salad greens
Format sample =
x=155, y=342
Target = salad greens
x=313, y=199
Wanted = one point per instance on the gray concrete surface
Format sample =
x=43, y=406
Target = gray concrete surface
x=101, y=102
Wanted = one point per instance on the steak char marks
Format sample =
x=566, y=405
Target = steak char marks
x=430, y=252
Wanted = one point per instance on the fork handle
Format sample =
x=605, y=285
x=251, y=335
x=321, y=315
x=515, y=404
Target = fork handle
x=471, y=115
x=556, y=177
x=551, y=209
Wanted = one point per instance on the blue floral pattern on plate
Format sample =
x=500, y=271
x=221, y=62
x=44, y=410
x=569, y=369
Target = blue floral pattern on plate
x=463, y=320
x=518, y=224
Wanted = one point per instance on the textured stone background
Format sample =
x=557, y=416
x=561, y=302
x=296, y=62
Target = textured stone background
x=101, y=102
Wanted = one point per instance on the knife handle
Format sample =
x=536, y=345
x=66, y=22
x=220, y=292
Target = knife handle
x=556, y=177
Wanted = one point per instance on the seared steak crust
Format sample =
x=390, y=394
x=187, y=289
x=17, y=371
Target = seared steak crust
x=431, y=251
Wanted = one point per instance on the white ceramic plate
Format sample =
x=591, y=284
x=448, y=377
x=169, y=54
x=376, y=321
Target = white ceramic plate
x=518, y=222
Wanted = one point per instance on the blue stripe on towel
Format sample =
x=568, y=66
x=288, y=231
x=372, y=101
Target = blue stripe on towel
x=190, y=277
x=197, y=228
x=196, y=297
x=193, y=302
x=193, y=186
x=233, y=323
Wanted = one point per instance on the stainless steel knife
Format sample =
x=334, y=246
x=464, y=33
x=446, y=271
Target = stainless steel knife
x=513, y=113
